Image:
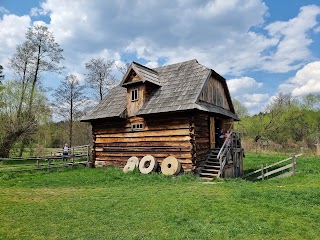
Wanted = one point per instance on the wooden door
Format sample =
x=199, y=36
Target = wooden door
x=212, y=133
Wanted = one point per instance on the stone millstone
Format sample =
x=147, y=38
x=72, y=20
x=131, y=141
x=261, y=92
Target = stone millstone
x=134, y=160
x=148, y=164
x=129, y=167
x=170, y=166
x=132, y=163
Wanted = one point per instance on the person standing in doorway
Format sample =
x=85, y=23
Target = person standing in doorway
x=217, y=136
x=221, y=136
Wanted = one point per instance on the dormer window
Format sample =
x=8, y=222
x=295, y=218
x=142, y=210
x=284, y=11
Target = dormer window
x=134, y=95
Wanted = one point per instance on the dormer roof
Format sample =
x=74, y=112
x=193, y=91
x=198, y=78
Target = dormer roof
x=144, y=74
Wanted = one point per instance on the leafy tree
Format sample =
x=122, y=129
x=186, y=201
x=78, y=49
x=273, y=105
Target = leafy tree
x=99, y=77
x=39, y=53
x=240, y=109
x=69, y=101
x=8, y=114
x=311, y=101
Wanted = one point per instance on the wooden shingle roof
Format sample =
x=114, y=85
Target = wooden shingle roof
x=181, y=85
x=146, y=74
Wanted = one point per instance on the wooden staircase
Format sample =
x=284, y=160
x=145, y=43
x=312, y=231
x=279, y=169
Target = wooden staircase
x=231, y=152
x=211, y=166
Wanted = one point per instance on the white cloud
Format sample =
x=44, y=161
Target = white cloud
x=174, y=31
x=4, y=10
x=306, y=80
x=242, y=86
x=256, y=97
x=12, y=32
x=217, y=33
x=292, y=49
x=37, y=12
x=245, y=90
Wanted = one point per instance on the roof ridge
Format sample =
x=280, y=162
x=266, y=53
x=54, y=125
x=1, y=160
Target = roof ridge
x=139, y=64
x=170, y=65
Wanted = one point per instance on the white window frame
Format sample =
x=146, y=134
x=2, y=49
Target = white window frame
x=137, y=126
x=134, y=95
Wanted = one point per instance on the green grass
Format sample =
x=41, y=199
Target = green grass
x=107, y=204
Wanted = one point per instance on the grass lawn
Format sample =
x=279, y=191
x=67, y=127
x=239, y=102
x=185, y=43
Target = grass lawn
x=107, y=204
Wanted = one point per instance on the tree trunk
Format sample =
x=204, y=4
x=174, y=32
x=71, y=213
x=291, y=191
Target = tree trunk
x=8, y=142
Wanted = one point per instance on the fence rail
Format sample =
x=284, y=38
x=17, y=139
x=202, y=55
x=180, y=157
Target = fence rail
x=279, y=171
x=78, y=155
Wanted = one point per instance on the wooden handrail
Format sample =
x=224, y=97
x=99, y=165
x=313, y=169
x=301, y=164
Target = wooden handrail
x=223, y=152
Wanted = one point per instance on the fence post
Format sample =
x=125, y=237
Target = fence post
x=294, y=163
x=262, y=172
x=48, y=164
x=88, y=155
x=38, y=166
x=72, y=156
x=266, y=170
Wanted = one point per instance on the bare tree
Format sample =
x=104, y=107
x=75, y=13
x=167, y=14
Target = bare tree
x=123, y=68
x=99, y=76
x=69, y=101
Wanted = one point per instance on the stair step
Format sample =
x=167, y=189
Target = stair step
x=213, y=160
x=212, y=166
x=210, y=170
x=208, y=174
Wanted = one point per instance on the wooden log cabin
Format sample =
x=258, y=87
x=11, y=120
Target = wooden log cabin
x=172, y=110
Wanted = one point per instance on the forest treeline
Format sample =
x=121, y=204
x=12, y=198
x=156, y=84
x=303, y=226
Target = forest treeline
x=286, y=122
x=29, y=119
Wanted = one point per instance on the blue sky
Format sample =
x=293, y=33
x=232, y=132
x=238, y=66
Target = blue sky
x=260, y=47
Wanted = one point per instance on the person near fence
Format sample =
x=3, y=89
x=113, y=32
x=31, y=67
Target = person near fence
x=65, y=152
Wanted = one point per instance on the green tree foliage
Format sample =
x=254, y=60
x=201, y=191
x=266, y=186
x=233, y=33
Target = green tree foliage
x=285, y=120
x=9, y=118
x=240, y=109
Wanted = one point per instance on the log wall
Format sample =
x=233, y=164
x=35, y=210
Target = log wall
x=115, y=142
x=202, y=137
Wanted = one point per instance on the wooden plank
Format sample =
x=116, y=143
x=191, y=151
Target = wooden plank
x=276, y=171
x=186, y=145
x=143, y=139
x=129, y=154
x=163, y=133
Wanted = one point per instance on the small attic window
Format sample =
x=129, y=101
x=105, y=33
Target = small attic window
x=137, y=127
x=134, y=95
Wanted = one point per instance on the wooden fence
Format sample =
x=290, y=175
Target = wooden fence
x=79, y=155
x=274, y=170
